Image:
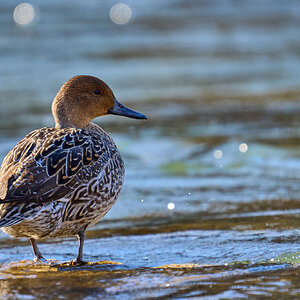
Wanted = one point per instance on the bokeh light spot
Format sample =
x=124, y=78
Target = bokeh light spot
x=218, y=154
x=24, y=13
x=120, y=13
x=171, y=206
x=243, y=147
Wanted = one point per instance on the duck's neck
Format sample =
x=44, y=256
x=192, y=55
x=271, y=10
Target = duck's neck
x=66, y=116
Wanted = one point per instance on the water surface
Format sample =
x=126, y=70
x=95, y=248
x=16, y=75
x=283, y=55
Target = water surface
x=209, y=76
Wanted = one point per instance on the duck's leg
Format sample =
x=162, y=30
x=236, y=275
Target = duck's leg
x=36, y=251
x=81, y=237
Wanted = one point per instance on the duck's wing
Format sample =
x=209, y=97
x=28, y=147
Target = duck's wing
x=47, y=165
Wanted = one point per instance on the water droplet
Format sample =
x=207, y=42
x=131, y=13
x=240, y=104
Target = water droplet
x=171, y=206
x=142, y=200
x=120, y=13
x=243, y=147
x=23, y=13
x=218, y=154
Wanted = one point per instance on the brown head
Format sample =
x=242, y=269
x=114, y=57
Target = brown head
x=83, y=98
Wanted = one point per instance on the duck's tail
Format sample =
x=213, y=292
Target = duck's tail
x=9, y=222
x=9, y=213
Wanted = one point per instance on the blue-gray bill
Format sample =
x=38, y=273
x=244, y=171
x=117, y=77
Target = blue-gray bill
x=121, y=110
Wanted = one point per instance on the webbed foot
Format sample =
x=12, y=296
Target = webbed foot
x=77, y=262
x=40, y=260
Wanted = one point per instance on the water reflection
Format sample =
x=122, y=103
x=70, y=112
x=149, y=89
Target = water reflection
x=120, y=13
x=24, y=14
x=212, y=186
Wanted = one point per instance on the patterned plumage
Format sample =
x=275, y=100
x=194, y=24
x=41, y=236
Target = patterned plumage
x=59, y=181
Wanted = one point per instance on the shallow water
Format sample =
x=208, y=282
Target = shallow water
x=209, y=76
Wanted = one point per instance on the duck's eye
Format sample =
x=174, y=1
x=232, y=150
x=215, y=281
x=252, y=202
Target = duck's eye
x=97, y=92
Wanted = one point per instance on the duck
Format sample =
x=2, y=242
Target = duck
x=59, y=181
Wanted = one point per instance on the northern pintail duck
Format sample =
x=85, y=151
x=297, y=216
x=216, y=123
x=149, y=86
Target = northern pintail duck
x=57, y=182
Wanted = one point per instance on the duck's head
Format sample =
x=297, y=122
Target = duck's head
x=83, y=98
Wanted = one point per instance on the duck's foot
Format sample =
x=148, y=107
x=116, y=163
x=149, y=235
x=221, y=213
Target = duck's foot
x=40, y=260
x=76, y=262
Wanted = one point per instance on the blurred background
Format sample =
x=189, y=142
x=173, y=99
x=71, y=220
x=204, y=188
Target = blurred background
x=212, y=177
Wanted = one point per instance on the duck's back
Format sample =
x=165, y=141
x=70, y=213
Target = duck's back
x=56, y=180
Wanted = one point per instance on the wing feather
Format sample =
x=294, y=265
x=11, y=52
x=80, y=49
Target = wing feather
x=42, y=166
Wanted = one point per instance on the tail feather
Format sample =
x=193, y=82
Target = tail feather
x=19, y=199
x=9, y=222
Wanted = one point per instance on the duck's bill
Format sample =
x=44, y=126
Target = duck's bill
x=121, y=110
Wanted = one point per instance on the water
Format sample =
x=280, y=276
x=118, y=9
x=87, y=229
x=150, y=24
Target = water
x=210, y=76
